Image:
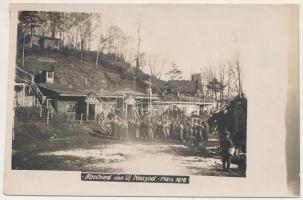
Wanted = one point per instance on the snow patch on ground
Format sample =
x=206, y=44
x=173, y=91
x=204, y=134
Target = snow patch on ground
x=143, y=159
x=88, y=153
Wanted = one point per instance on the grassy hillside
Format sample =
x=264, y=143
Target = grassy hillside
x=110, y=73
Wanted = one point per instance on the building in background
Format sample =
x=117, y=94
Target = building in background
x=42, y=42
x=45, y=73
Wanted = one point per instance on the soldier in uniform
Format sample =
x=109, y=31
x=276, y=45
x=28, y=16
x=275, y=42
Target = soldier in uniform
x=205, y=131
x=227, y=143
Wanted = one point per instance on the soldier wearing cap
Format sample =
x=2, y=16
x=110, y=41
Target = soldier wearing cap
x=227, y=146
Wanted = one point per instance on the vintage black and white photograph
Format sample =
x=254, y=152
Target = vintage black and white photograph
x=126, y=91
x=152, y=99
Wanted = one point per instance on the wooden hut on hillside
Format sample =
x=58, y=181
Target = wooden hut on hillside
x=45, y=73
x=42, y=42
x=84, y=104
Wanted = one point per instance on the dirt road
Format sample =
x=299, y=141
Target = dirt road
x=141, y=158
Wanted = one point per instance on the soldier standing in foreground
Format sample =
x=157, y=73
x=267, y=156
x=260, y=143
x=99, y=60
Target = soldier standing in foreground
x=227, y=151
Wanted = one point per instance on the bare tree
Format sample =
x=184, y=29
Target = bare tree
x=102, y=42
x=209, y=75
x=117, y=42
x=239, y=74
x=174, y=73
x=100, y=48
x=229, y=79
x=56, y=22
x=69, y=30
x=156, y=65
x=222, y=71
x=29, y=21
x=153, y=65
x=82, y=22
x=235, y=78
x=140, y=56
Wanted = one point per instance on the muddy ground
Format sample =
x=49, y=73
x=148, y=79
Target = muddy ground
x=71, y=147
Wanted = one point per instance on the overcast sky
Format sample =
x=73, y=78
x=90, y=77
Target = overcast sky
x=194, y=36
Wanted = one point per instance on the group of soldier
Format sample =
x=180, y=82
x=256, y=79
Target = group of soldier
x=150, y=128
x=186, y=131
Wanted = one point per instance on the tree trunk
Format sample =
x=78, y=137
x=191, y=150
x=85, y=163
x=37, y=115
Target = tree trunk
x=81, y=46
x=97, y=58
x=239, y=78
x=217, y=105
x=81, y=52
x=63, y=40
x=228, y=83
x=32, y=34
x=53, y=31
x=60, y=41
x=89, y=40
x=23, y=47
x=240, y=87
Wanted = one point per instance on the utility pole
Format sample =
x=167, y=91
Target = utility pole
x=98, y=47
x=150, y=94
x=138, y=47
x=137, y=58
